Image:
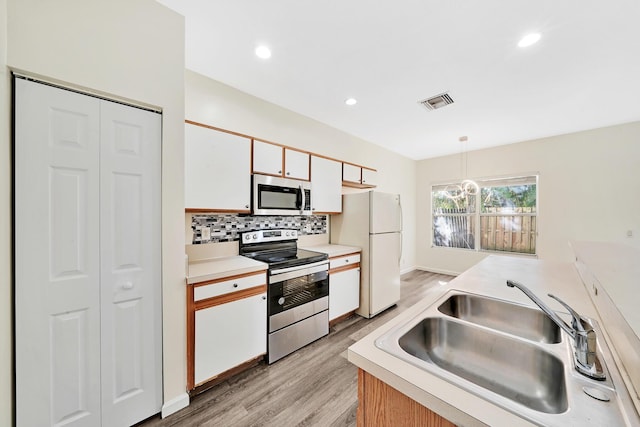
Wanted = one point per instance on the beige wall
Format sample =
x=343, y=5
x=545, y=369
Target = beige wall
x=131, y=50
x=215, y=104
x=589, y=189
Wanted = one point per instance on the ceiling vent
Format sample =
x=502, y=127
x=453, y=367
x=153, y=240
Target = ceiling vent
x=437, y=101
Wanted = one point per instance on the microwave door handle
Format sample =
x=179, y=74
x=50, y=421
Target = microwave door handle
x=303, y=197
x=298, y=198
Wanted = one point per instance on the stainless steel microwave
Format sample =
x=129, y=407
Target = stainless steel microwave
x=280, y=196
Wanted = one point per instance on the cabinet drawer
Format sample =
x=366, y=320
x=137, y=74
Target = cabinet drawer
x=225, y=286
x=344, y=261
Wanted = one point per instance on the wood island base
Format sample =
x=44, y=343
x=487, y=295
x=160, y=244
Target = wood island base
x=381, y=405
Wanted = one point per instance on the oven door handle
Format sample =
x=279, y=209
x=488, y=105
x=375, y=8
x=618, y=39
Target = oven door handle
x=301, y=270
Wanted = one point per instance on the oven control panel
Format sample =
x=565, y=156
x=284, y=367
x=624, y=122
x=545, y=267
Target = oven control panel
x=260, y=236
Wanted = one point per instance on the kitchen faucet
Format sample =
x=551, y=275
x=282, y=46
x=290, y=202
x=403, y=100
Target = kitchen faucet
x=585, y=341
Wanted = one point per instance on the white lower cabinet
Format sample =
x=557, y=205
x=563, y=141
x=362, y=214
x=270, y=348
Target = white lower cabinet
x=228, y=334
x=344, y=291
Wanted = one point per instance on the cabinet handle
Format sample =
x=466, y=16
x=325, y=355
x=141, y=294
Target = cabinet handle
x=235, y=285
x=127, y=285
x=246, y=206
x=346, y=260
x=280, y=171
x=263, y=297
x=288, y=173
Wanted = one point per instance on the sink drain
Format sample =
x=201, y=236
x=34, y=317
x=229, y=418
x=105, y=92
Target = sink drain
x=596, y=393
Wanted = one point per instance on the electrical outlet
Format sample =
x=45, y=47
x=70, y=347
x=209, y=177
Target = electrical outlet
x=206, y=233
x=629, y=233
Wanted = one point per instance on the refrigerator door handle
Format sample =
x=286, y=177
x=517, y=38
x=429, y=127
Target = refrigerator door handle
x=401, y=227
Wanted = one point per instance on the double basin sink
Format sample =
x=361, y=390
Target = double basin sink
x=509, y=354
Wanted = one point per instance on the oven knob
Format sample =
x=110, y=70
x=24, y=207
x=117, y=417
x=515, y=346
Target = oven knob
x=255, y=236
x=281, y=300
x=293, y=234
x=287, y=234
x=247, y=237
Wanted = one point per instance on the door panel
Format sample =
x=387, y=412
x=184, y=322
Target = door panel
x=385, y=212
x=56, y=257
x=128, y=354
x=130, y=232
x=70, y=387
x=384, y=285
x=68, y=222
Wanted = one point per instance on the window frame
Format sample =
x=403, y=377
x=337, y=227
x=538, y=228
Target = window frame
x=477, y=214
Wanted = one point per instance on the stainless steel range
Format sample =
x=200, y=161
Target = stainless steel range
x=297, y=293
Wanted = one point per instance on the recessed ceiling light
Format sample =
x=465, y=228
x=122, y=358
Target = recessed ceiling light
x=351, y=101
x=263, y=52
x=529, y=39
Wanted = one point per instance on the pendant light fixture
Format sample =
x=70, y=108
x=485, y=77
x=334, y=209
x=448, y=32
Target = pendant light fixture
x=467, y=187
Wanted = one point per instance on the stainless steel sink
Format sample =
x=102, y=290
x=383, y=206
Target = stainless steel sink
x=525, y=322
x=510, y=355
x=523, y=373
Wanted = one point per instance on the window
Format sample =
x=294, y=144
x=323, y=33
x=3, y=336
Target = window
x=500, y=216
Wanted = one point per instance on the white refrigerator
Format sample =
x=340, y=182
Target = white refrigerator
x=373, y=221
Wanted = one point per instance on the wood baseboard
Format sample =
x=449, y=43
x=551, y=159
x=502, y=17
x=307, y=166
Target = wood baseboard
x=199, y=388
x=341, y=318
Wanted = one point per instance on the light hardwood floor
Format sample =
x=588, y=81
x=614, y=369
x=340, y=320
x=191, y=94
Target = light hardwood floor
x=315, y=386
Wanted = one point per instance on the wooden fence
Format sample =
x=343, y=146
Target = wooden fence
x=512, y=230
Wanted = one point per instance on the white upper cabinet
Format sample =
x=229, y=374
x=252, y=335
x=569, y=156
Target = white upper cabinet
x=217, y=170
x=296, y=164
x=267, y=158
x=351, y=173
x=369, y=177
x=326, y=185
x=357, y=176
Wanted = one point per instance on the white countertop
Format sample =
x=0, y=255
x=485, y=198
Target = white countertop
x=333, y=250
x=216, y=268
x=486, y=278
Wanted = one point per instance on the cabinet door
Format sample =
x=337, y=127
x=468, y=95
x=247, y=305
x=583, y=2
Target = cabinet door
x=344, y=292
x=296, y=164
x=217, y=170
x=228, y=335
x=326, y=185
x=351, y=173
x=369, y=177
x=267, y=158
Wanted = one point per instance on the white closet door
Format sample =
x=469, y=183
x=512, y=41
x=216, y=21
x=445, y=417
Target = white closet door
x=130, y=239
x=57, y=257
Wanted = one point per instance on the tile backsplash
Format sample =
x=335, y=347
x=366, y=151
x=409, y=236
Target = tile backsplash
x=227, y=228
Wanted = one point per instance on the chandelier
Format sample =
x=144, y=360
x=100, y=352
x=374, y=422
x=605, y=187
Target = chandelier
x=467, y=187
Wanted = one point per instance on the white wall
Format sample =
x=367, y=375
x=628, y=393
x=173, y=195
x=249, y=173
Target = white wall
x=589, y=189
x=213, y=103
x=130, y=50
x=6, y=295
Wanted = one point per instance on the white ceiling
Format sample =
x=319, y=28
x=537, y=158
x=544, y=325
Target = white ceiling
x=584, y=73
